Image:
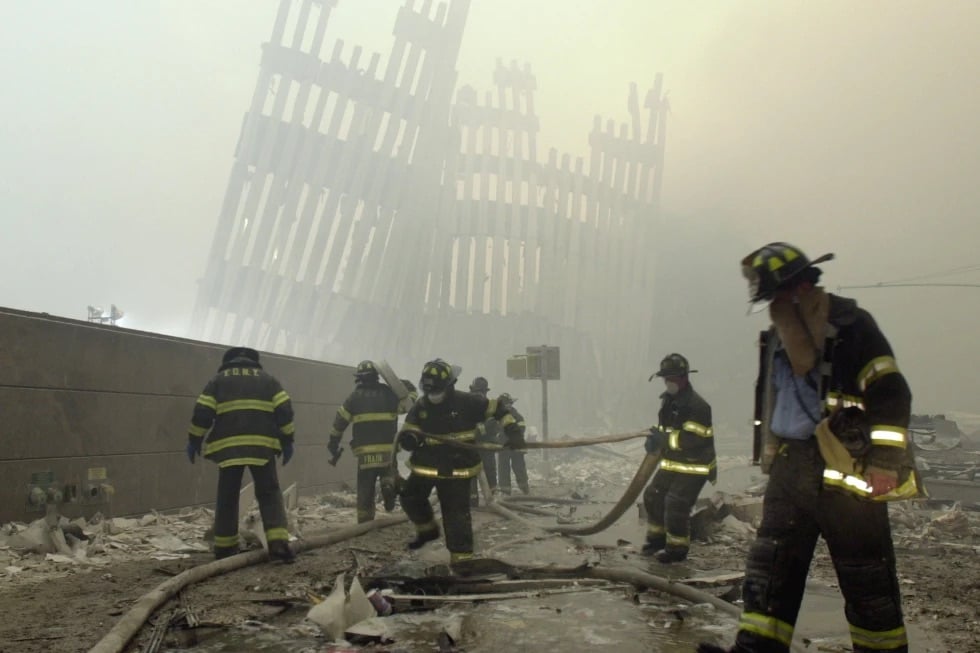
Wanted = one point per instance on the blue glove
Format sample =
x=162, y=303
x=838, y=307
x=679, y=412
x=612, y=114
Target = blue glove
x=193, y=448
x=654, y=442
x=287, y=451
x=408, y=441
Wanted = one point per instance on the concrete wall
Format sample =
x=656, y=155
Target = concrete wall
x=78, y=397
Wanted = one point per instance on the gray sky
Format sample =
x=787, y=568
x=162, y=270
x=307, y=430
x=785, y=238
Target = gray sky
x=840, y=126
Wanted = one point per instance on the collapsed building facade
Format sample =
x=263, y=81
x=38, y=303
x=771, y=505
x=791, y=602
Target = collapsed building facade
x=387, y=211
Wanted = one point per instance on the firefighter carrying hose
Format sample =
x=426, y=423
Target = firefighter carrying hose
x=244, y=419
x=488, y=431
x=372, y=409
x=443, y=410
x=685, y=439
x=832, y=433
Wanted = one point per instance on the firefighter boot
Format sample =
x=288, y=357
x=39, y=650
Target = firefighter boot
x=279, y=550
x=222, y=552
x=388, y=495
x=525, y=488
x=423, y=537
x=672, y=554
x=653, y=544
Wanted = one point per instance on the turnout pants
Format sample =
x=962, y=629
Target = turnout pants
x=372, y=469
x=454, y=499
x=668, y=501
x=797, y=509
x=266, y=492
x=510, y=459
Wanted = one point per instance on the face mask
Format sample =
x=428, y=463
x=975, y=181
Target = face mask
x=672, y=388
x=436, y=397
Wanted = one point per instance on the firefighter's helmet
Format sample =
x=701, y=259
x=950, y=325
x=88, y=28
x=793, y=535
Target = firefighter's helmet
x=480, y=384
x=366, y=372
x=506, y=399
x=437, y=376
x=778, y=266
x=673, y=365
x=240, y=352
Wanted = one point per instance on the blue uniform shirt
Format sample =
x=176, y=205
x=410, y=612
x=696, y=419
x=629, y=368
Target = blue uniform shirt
x=789, y=419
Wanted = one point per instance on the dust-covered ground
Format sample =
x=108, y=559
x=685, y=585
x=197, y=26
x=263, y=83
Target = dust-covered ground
x=54, y=605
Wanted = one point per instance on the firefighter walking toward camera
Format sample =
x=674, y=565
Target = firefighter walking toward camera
x=443, y=410
x=372, y=409
x=686, y=443
x=244, y=419
x=832, y=414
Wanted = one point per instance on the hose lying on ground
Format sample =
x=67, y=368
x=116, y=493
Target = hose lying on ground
x=130, y=623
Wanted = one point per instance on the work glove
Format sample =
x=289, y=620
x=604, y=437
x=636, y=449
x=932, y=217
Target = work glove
x=408, y=441
x=333, y=446
x=287, y=451
x=655, y=441
x=193, y=448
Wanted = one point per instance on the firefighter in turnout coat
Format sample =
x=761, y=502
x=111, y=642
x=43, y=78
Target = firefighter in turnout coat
x=443, y=410
x=244, y=419
x=832, y=413
x=372, y=409
x=685, y=439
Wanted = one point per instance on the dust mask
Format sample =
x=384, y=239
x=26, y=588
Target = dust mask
x=672, y=388
x=436, y=397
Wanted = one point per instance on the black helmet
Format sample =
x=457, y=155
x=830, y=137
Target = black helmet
x=505, y=399
x=366, y=372
x=778, y=266
x=240, y=352
x=480, y=384
x=673, y=365
x=437, y=376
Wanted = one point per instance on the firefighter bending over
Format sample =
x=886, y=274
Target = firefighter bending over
x=244, y=419
x=443, y=410
x=686, y=441
x=372, y=409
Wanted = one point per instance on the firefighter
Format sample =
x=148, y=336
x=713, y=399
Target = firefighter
x=686, y=441
x=443, y=410
x=832, y=415
x=244, y=419
x=372, y=408
x=512, y=459
x=487, y=432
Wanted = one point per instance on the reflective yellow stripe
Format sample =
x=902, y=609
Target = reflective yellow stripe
x=889, y=436
x=457, y=557
x=687, y=468
x=766, y=626
x=507, y=420
x=678, y=540
x=698, y=429
x=197, y=431
x=876, y=369
x=432, y=472
x=288, y=429
x=280, y=398
x=238, y=462
x=655, y=529
x=879, y=640
x=408, y=426
x=372, y=448
x=462, y=436
x=491, y=409
x=344, y=413
x=243, y=441
x=674, y=441
x=854, y=484
x=225, y=541
x=375, y=417
x=208, y=401
x=274, y=534
x=836, y=400
x=244, y=404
